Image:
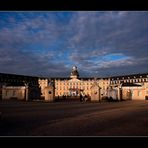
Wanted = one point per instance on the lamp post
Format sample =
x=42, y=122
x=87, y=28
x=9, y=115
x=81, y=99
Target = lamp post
x=120, y=91
x=26, y=91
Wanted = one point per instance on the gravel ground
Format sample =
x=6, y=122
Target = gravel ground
x=127, y=118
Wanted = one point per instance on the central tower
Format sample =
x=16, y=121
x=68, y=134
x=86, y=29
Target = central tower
x=74, y=72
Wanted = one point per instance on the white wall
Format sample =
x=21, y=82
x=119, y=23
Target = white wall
x=13, y=92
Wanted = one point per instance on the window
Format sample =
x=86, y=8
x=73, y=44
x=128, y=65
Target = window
x=6, y=92
x=132, y=93
x=14, y=93
x=139, y=93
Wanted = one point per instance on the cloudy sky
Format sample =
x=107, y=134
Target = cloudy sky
x=49, y=43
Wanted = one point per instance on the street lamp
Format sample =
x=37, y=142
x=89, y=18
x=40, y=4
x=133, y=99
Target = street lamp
x=26, y=91
x=120, y=91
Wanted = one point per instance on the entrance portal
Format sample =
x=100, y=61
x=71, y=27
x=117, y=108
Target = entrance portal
x=74, y=92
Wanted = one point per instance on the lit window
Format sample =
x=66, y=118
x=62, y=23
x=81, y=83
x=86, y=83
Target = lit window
x=139, y=93
x=133, y=94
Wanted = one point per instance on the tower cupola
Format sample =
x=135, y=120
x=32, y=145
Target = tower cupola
x=74, y=72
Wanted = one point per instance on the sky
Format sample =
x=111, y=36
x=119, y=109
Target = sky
x=50, y=43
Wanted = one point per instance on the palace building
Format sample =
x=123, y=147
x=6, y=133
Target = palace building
x=74, y=86
x=127, y=87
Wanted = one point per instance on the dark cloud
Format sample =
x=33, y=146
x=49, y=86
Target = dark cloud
x=50, y=43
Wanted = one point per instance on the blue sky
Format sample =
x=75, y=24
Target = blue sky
x=99, y=43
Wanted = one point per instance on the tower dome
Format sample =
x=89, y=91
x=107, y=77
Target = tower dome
x=74, y=72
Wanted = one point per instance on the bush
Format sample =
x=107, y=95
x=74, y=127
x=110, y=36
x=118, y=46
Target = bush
x=109, y=99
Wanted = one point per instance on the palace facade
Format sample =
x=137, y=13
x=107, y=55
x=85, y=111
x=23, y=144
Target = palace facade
x=127, y=87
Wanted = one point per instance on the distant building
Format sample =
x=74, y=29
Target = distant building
x=134, y=87
x=127, y=87
x=74, y=85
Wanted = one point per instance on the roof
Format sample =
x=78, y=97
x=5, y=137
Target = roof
x=130, y=84
x=132, y=76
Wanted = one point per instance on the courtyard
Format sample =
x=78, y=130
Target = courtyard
x=125, y=118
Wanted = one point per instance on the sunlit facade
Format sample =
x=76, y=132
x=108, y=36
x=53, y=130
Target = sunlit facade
x=127, y=87
x=134, y=87
x=74, y=85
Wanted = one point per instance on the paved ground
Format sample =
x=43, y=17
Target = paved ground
x=127, y=118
